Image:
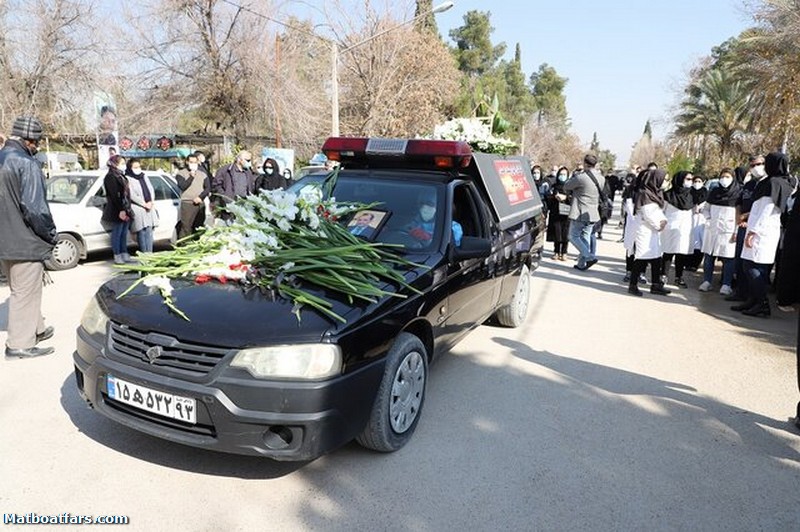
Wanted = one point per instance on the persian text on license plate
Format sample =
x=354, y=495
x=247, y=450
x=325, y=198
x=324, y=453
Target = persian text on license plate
x=163, y=404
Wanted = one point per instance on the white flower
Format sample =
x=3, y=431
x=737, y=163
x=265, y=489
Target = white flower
x=162, y=283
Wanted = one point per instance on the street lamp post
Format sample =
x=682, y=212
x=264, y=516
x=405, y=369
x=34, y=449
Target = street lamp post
x=336, y=52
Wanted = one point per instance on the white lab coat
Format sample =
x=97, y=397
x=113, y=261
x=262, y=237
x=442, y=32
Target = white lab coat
x=765, y=221
x=676, y=238
x=648, y=236
x=720, y=229
x=631, y=223
x=698, y=227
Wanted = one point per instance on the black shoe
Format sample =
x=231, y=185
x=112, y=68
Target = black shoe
x=743, y=306
x=45, y=334
x=760, y=310
x=734, y=297
x=634, y=291
x=590, y=263
x=679, y=282
x=30, y=352
x=581, y=268
x=627, y=278
x=659, y=289
x=642, y=280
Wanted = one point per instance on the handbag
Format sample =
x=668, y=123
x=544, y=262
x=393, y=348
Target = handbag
x=605, y=207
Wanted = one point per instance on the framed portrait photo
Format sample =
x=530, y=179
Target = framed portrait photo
x=366, y=223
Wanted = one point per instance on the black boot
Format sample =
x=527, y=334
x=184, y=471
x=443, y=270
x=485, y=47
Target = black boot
x=760, y=310
x=744, y=306
x=659, y=289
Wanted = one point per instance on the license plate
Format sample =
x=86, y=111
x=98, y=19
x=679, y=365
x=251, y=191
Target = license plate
x=163, y=404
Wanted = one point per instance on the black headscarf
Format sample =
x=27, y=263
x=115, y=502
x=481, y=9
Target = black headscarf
x=776, y=184
x=726, y=197
x=679, y=196
x=699, y=195
x=648, y=189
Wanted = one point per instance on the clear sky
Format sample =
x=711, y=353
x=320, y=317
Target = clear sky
x=626, y=60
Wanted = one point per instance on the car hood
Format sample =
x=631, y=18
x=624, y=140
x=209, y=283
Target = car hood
x=226, y=315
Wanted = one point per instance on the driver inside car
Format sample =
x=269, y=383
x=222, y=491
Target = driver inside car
x=424, y=223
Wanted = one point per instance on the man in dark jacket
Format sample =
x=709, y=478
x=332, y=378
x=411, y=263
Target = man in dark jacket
x=232, y=181
x=27, y=238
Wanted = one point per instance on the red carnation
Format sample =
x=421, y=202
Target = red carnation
x=203, y=278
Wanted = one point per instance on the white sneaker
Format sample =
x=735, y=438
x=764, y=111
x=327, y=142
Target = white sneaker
x=725, y=290
x=705, y=286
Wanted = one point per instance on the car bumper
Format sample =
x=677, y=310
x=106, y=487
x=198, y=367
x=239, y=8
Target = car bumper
x=282, y=420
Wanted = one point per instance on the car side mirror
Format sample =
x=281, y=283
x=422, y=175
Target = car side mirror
x=96, y=201
x=471, y=248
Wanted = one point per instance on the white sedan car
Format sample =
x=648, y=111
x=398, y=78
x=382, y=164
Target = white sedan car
x=76, y=200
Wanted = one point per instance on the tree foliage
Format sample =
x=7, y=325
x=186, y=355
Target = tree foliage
x=474, y=51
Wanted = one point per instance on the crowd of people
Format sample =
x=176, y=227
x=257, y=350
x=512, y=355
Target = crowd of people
x=745, y=219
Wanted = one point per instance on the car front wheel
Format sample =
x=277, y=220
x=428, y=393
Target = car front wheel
x=66, y=253
x=514, y=313
x=400, y=397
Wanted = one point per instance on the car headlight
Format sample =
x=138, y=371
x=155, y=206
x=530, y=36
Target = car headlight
x=302, y=361
x=94, y=320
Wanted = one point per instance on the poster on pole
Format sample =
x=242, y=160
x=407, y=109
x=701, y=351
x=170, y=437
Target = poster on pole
x=107, y=127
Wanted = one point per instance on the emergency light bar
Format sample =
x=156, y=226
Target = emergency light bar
x=417, y=153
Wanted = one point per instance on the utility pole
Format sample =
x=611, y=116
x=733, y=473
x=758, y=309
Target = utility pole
x=277, y=100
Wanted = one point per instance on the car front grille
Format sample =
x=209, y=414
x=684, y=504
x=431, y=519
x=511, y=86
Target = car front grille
x=163, y=352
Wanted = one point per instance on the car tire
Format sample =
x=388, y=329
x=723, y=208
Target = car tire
x=514, y=313
x=401, y=395
x=66, y=253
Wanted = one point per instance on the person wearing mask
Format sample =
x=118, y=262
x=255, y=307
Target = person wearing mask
x=145, y=216
x=423, y=226
x=235, y=180
x=719, y=240
x=27, y=238
x=676, y=240
x=558, y=205
x=743, y=206
x=699, y=195
x=648, y=208
x=630, y=228
x=542, y=185
x=585, y=187
x=117, y=211
x=195, y=186
x=272, y=178
x=763, y=233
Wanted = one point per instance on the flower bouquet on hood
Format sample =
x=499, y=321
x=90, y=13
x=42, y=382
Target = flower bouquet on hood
x=281, y=242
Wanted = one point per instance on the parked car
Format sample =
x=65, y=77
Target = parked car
x=245, y=376
x=76, y=200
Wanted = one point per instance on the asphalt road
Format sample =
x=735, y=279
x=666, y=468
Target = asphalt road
x=603, y=412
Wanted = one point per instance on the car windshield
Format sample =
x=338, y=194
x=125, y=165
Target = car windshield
x=405, y=211
x=69, y=188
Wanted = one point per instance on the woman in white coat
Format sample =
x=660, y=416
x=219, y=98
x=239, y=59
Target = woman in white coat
x=719, y=241
x=648, y=205
x=677, y=238
x=764, y=233
x=145, y=216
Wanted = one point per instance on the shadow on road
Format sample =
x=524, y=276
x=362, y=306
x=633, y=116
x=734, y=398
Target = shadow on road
x=162, y=452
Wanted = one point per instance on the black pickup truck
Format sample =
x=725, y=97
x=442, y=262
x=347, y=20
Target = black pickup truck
x=244, y=376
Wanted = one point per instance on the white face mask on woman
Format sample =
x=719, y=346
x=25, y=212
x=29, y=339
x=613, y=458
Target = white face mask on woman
x=562, y=177
x=697, y=185
x=725, y=181
x=759, y=172
x=427, y=212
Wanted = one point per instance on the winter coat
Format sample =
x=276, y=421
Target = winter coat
x=141, y=217
x=648, y=237
x=765, y=222
x=720, y=229
x=118, y=198
x=585, y=196
x=677, y=235
x=27, y=230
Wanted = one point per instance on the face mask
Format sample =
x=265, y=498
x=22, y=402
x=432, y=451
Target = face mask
x=137, y=171
x=562, y=177
x=697, y=186
x=665, y=185
x=121, y=168
x=246, y=165
x=192, y=167
x=427, y=212
x=687, y=184
x=537, y=175
x=269, y=171
x=726, y=182
x=759, y=171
